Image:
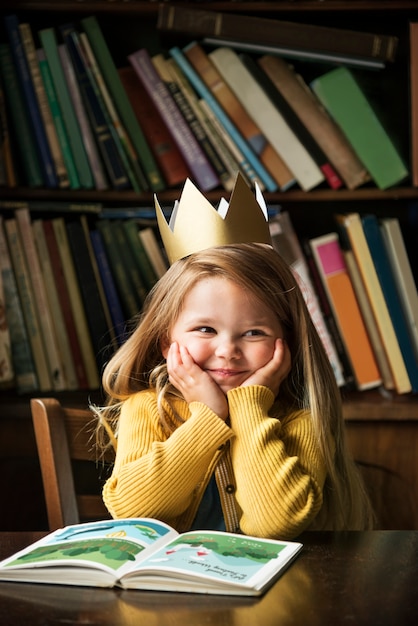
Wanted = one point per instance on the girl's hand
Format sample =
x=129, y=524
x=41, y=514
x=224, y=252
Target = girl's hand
x=273, y=373
x=194, y=384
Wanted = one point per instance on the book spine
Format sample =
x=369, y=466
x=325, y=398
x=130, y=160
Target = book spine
x=291, y=35
x=25, y=79
x=254, y=164
x=21, y=129
x=65, y=303
x=268, y=118
x=165, y=150
x=46, y=324
x=312, y=114
x=413, y=90
x=76, y=302
x=54, y=305
x=187, y=104
x=153, y=250
x=28, y=304
x=58, y=119
x=131, y=229
x=93, y=156
x=273, y=163
x=112, y=296
x=49, y=44
x=45, y=112
x=123, y=106
x=193, y=154
x=6, y=156
x=6, y=362
x=102, y=131
x=21, y=354
x=342, y=96
x=332, y=178
x=337, y=283
x=383, y=268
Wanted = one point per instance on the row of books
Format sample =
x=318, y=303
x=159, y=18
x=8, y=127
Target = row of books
x=69, y=289
x=72, y=284
x=193, y=111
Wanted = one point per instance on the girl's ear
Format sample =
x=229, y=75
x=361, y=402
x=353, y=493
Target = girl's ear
x=164, y=346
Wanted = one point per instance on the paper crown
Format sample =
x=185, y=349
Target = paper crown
x=196, y=225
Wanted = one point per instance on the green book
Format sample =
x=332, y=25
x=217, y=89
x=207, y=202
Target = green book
x=50, y=47
x=124, y=107
x=346, y=102
x=20, y=121
x=130, y=227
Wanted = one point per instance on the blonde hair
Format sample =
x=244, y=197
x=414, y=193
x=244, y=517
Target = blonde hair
x=311, y=384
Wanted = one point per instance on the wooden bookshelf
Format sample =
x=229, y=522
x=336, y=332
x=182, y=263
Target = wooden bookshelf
x=370, y=416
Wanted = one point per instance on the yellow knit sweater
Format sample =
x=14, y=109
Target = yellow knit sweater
x=270, y=472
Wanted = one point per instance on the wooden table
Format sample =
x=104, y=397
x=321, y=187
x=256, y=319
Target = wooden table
x=351, y=578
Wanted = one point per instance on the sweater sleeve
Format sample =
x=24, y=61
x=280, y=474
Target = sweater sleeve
x=155, y=476
x=279, y=469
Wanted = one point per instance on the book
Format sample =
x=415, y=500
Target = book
x=25, y=378
x=143, y=553
x=207, y=71
x=27, y=300
x=49, y=44
x=154, y=251
x=318, y=122
x=402, y=271
x=269, y=119
x=105, y=61
x=345, y=100
x=65, y=303
x=196, y=160
x=285, y=241
x=131, y=229
x=44, y=109
x=336, y=280
x=62, y=335
x=31, y=102
x=330, y=175
x=352, y=224
x=109, y=287
x=21, y=132
x=252, y=162
x=46, y=323
x=96, y=164
x=375, y=241
x=165, y=151
x=76, y=302
x=284, y=35
x=111, y=151
x=413, y=95
x=7, y=167
x=6, y=362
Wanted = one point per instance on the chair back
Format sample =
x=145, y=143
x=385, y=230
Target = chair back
x=71, y=474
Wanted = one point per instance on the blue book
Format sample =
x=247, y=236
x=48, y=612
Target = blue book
x=384, y=272
x=242, y=144
x=25, y=80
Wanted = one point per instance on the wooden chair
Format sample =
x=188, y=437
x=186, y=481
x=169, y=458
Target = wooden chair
x=72, y=477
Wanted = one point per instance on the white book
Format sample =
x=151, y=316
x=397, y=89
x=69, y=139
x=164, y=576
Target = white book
x=268, y=118
x=407, y=289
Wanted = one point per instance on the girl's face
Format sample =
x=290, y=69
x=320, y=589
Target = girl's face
x=227, y=331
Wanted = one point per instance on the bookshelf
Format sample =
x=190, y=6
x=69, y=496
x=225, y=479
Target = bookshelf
x=372, y=418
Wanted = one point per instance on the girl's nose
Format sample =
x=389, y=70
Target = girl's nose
x=227, y=348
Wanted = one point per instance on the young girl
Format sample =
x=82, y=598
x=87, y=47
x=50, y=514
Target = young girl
x=225, y=408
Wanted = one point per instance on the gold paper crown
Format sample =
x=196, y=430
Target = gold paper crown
x=196, y=225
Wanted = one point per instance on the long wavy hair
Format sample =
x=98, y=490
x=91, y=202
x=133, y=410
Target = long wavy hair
x=310, y=385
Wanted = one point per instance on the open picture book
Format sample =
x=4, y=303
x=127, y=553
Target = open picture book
x=147, y=554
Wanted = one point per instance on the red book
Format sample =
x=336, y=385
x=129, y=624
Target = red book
x=167, y=154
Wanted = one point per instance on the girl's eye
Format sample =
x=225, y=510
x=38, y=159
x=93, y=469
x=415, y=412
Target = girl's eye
x=206, y=330
x=255, y=333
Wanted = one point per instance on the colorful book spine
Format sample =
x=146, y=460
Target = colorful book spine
x=253, y=161
x=109, y=70
x=25, y=377
x=269, y=119
x=92, y=152
x=49, y=43
x=346, y=102
x=21, y=129
x=193, y=154
x=45, y=111
x=342, y=298
x=31, y=101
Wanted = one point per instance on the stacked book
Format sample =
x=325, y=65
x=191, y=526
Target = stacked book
x=72, y=119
